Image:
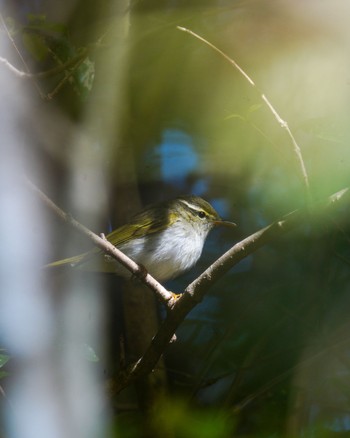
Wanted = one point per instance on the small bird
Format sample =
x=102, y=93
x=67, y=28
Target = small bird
x=166, y=238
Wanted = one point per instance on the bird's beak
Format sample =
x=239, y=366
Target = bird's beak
x=225, y=223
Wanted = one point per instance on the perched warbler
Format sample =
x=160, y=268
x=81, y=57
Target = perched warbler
x=166, y=238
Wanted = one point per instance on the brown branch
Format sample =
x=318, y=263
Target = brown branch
x=195, y=292
x=266, y=101
x=138, y=271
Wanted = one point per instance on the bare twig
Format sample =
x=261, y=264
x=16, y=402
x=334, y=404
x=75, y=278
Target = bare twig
x=48, y=73
x=2, y=21
x=14, y=70
x=267, y=102
x=138, y=271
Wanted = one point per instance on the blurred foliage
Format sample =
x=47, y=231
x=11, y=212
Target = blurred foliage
x=50, y=45
x=267, y=353
x=4, y=358
x=174, y=418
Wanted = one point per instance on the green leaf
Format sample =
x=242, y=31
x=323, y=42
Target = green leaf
x=4, y=358
x=84, y=77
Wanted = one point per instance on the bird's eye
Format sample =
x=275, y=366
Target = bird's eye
x=201, y=214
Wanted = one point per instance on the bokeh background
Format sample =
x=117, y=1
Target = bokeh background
x=148, y=113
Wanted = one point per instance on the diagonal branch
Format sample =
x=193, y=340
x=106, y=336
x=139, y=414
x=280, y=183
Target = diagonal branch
x=138, y=271
x=195, y=292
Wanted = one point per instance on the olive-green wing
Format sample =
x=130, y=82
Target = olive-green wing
x=144, y=224
x=117, y=237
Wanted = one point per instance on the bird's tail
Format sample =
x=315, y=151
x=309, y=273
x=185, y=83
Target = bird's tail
x=71, y=261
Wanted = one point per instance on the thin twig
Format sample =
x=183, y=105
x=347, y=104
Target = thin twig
x=14, y=70
x=19, y=55
x=47, y=73
x=280, y=121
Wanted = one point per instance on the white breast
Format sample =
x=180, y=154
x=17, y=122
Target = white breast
x=168, y=253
